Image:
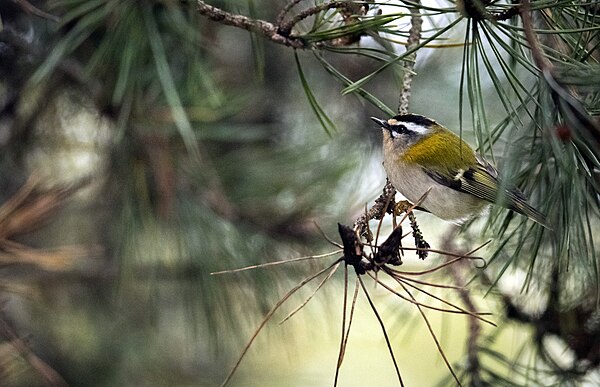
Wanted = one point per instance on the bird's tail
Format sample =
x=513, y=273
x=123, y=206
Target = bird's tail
x=518, y=202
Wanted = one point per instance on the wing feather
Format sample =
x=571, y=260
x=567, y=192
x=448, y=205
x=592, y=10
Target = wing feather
x=481, y=180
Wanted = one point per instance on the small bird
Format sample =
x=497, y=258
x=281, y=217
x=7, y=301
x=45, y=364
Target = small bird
x=420, y=155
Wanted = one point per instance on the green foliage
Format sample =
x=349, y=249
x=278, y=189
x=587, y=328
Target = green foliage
x=214, y=160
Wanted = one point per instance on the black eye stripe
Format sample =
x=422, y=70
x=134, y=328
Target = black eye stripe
x=398, y=130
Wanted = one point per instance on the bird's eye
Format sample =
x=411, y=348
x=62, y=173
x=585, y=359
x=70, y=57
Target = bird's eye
x=398, y=130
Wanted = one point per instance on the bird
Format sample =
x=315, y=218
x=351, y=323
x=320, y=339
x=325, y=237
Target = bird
x=422, y=156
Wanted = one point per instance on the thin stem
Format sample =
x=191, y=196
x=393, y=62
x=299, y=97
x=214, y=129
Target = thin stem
x=260, y=266
x=435, y=339
x=329, y=275
x=458, y=310
x=385, y=335
x=268, y=30
x=286, y=28
x=414, y=36
x=534, y=44
x=285, y=10
x=270, y=314
x=342, y=347
x=377, y=210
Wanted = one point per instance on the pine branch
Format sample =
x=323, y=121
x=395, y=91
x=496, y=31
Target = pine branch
x=285, y=10
x=382, y=205
x=413, y=40
x=536, y=51
x=286, y=28
x=268, y=30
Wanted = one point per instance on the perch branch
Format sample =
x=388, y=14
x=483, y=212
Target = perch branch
x=414, y=36
x=381, y=206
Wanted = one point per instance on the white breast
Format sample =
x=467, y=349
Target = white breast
x=444, y=202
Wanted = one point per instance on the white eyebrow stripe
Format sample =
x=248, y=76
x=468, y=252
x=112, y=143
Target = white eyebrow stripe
x=414, y=127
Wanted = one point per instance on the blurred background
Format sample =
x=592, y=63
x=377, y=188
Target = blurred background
x=144, y=147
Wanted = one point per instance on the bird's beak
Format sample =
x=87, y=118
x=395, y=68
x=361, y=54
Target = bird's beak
x=382, y=123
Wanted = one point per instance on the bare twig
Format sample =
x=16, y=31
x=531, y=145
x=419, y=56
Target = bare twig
x=346, y=331
x=456, y=309
x=435, y=339
x=286, y=28
x=540, y=60
x=342, y=348
x=329, y=275
x=285, y=10
x=387, y=206
x=268, y=316
x=274, y=263
x=420, y=242
x=268, y=30
x=382, y=203
x=383, y=330
x=413, y=40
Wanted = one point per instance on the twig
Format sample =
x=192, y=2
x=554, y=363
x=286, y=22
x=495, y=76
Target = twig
x=346, y=332
x=387, y=206
x=414, y=36
x=540, y=60
x=382, y=203
x=435, y=339
x=276, y=263
x=286, y=28
x=403, y=282
x=342, y=348
x=268, y=30
x=285, y=10
x=329, y=275
x=385, y=335
x=420, y=243
x=270, y=314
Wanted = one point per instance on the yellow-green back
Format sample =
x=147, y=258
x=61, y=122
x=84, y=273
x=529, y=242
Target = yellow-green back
x=442, y=151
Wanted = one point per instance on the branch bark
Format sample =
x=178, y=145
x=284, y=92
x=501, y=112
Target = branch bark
x=414, y=36
x=384, y=202
x=286, y=28
x=534, y=43
x=268, y=30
